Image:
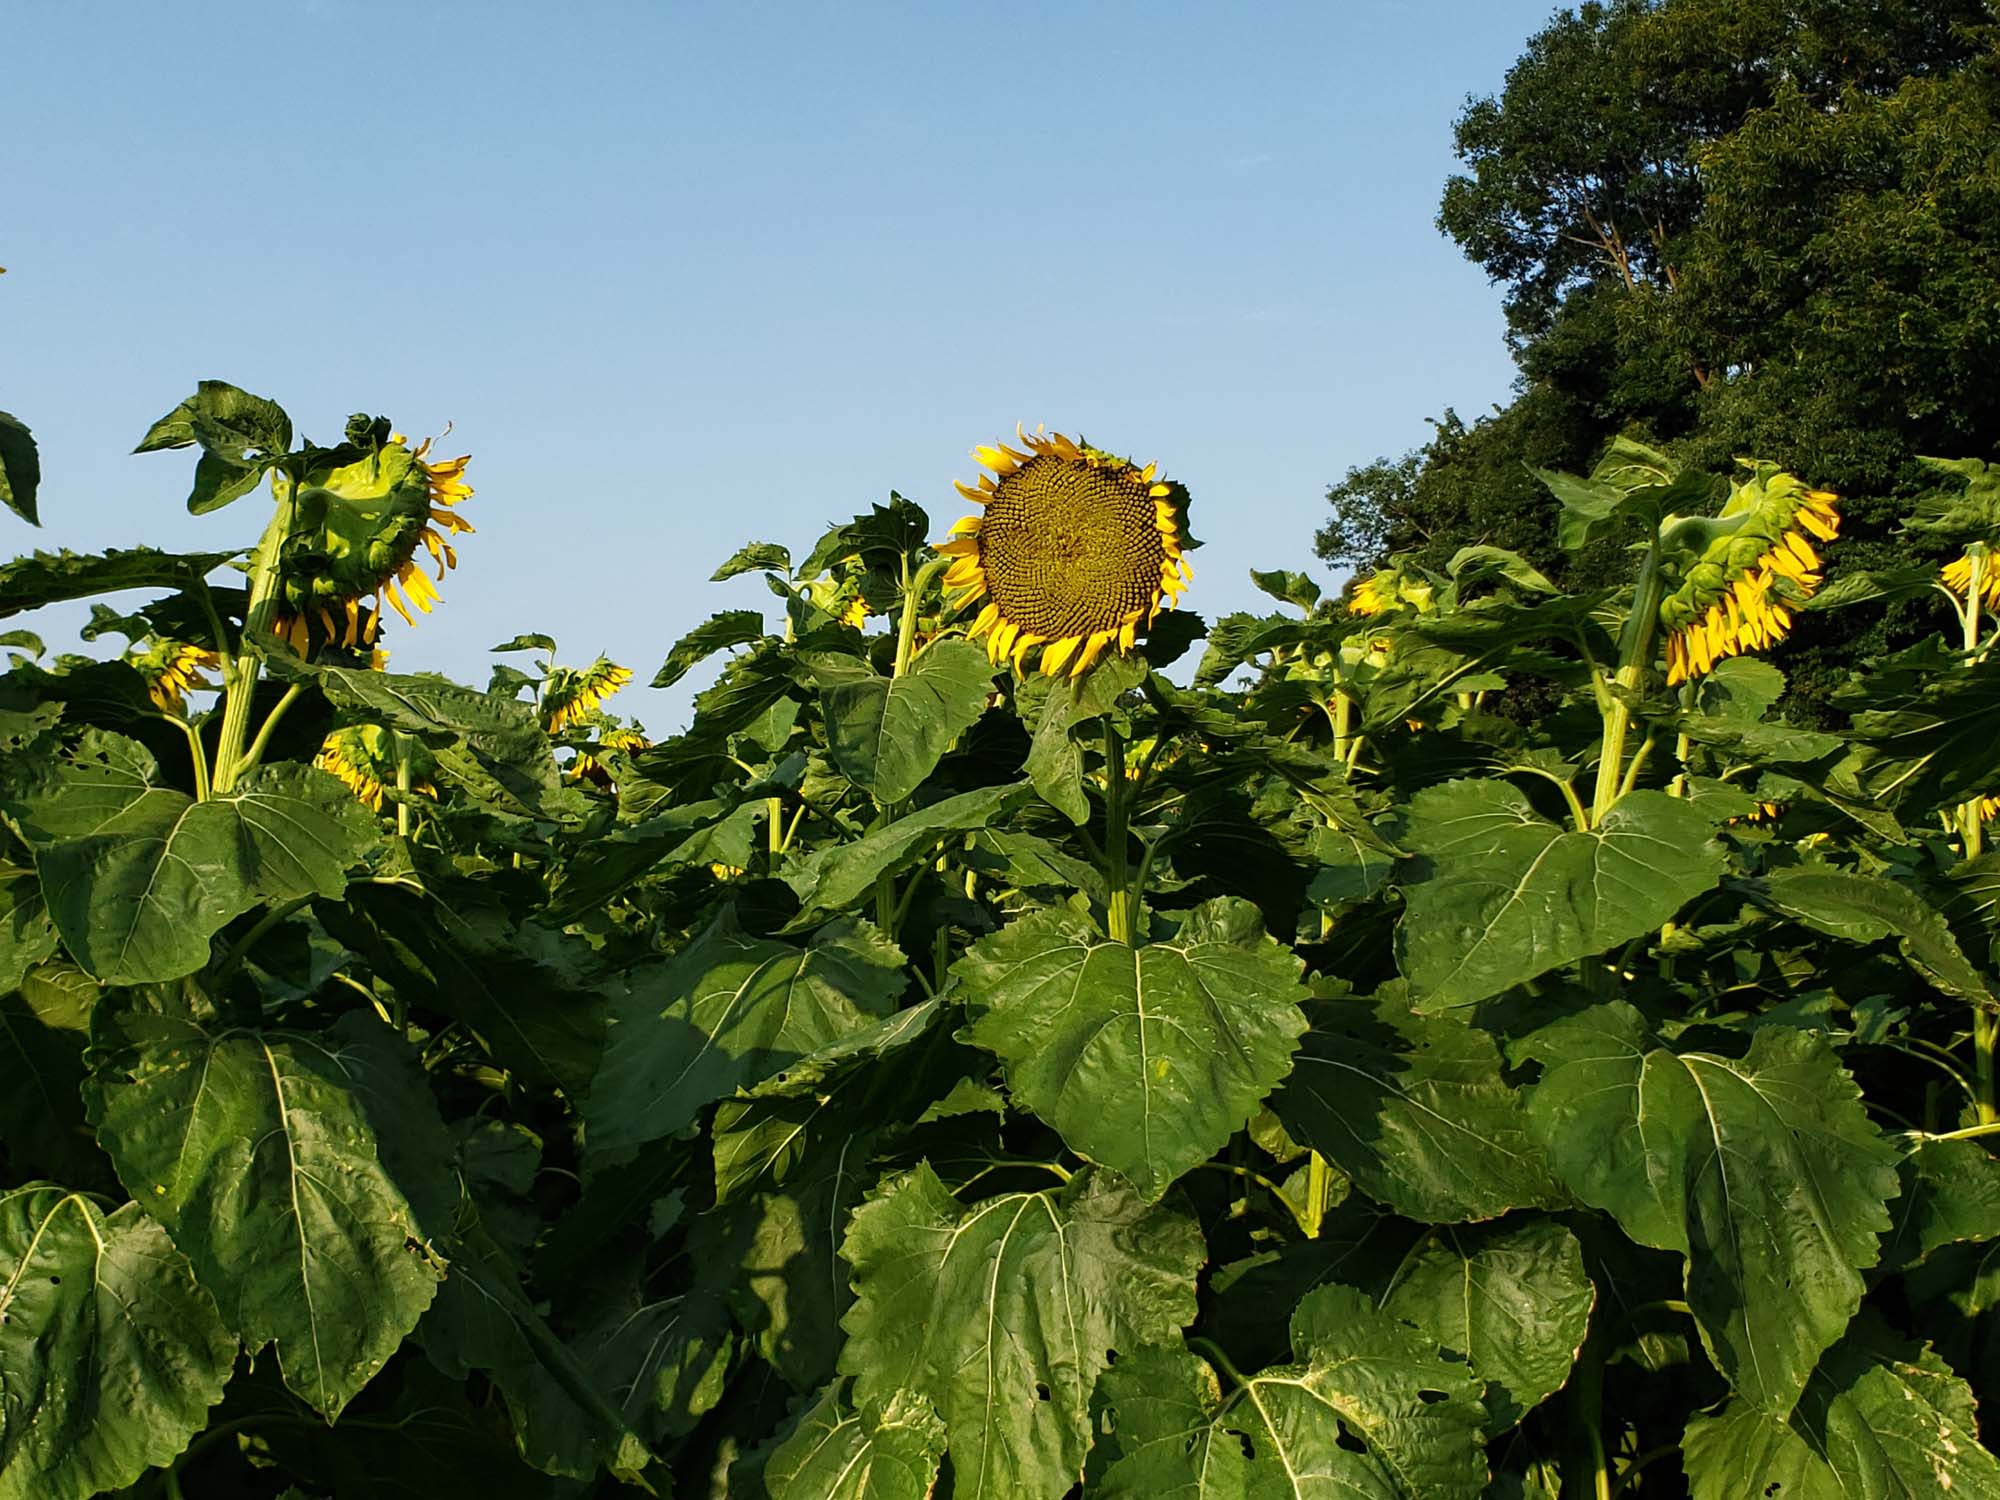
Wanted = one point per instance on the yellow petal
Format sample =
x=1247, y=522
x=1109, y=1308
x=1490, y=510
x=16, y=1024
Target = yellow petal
x=1091, y=650
x=388, y=591
x=1127, y=634
x=1058, y=653
x=987, y=618
x=976, y=496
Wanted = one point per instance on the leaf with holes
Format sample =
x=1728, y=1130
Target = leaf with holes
x=110, y=1354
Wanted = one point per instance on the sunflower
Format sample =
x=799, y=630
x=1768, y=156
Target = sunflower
x=587, y=767
x=1957, y=576
x=1077, y=551
x=363, y=756
x=1738, y=594
x=572, y=695
x=363, y=511
x=1391, y=588
x=172, y=670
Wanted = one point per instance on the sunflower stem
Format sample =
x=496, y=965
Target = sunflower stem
x=1120, y=907
x=1343, y=723
x=402, y=785
x=1635, y=659
x=913, y=594
x=197, y=755
x=254, y=756
x=262, y=610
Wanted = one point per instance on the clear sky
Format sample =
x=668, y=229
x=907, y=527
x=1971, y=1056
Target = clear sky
x=689, y=275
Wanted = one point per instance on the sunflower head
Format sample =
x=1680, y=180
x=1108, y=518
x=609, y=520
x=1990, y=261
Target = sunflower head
x=363, y=510
x=589, y=767
x=172, y=669
x=572, y=694
x=1741, y=573
x=1395, y=587
x=1076, y=551
x=364, y=757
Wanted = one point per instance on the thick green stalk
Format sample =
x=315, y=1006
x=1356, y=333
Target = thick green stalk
x=913, y=594
x=1635, y=660
x=1343, y=723
x=1121, y=908
x=263, y=609
x=402, y=786
x=254, y=756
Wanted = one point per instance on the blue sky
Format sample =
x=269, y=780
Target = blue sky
x=685, y=276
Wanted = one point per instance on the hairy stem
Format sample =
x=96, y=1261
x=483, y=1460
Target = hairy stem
x=1635, y=660
x=263, y=609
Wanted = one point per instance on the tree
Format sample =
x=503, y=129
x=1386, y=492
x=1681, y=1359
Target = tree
x=1729, y=227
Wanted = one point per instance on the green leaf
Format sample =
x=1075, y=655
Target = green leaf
x=138, y=877
x=1369, y=1409
x=527, y=642
x=792, y=1159
x=757, y=557
x=1867, y=908
x=1922, y=738
x=664, y=1359
x=1877, y=1422
x=1288, y=588
x=1055, y=760
x=509, y=983
x=1509, y=895
x=303, y=1175
x=1513, y=1299
x=888, y=1453
x=734, y=627
x=842, y=876
x=51, y=577
x=1630, y=483
x=490, y=747
x=110, y=1354
x=20, y=468
x=1765, y=1172
x=151, y=858
x=1415, y=1110
x=1352, y=867
x=726, y=1011
x=887, y=734
x=1003, y=1314
x=1145, y=1058
x=41, y=1110
x=1951, y=1195
x=27, y=936
x=688, y=834
x=240, y=434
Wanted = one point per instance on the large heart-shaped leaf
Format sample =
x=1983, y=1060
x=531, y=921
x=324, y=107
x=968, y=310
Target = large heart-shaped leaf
x=1415, y=1110
x=1508, y=895
x=1003, y=1315
x=304, y=1175
x=726, y=1011
x=1145, y=1058
x=838, y=1454
x=1369, y=1409
x=1877, y=1422
x=1764, y=1171
x=110, y=1354
x=138, y=876
x=887, y=734
x=1513, y=1299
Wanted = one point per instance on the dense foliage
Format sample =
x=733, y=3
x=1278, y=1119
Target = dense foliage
x=1726, y=227
x=924, y=1077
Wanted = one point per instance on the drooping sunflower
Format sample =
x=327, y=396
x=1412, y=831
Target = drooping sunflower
x=572, y=694
x=588, y=767
x=1077, y=551
x=1391, y=588
x=1737, y=594
x=1957, y=576
x=364, y=756
x=172, y=670
x=362, y=513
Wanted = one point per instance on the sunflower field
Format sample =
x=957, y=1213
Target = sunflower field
x=1021, y=1040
